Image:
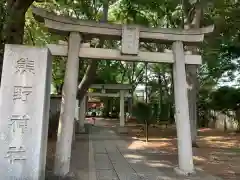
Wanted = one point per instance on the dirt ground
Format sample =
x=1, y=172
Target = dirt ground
x=219, y=152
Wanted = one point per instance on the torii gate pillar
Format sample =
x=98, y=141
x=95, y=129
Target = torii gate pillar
x=122, y=113
x=81, y=116
x=185, y=158
x=66, y=121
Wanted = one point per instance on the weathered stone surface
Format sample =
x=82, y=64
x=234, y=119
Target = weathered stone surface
x=122, y=112
x=67, y=114
x=99, y=147
x=76, y=110
x=81, y=115
x=64, y=25
x=105, y=174
x=122, y=130
x=69, y=176
x=185, y=153
x=121, y=166
x=24, y=112
x=130, y=40
x=102, y=162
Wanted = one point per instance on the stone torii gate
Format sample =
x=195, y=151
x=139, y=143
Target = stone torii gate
x=131, y=36
x=123, y=92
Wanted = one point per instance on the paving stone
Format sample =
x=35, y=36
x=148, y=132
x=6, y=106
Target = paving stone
x=103, y=162
x=121, y=166
x=99, y=147
x=107, y=175
x=114, y=161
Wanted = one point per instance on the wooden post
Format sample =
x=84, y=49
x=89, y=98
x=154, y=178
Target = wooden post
x=66, y=120
x=182, y=112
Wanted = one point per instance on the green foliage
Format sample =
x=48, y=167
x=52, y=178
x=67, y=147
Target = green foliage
x=225, y=99
x=142, y=112
x=37, y=35
x=144, y=115
x=221, y=50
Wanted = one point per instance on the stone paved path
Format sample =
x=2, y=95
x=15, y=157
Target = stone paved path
x=114, y=161
x=110, y=159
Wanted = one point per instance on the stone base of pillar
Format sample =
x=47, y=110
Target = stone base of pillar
x=78, y=128
x=122, y=130
x=52, y=176
x=183, y=173
x=81, y=131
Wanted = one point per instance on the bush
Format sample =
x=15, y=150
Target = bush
x=143, y=113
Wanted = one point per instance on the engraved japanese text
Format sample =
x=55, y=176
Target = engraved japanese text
x=25, y=65
x=130, y=40
x=18, y=125
x=16, y=154
x=21, y=92
x=19, y=122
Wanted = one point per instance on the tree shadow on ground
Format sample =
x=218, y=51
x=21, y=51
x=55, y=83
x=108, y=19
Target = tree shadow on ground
x=219, y=152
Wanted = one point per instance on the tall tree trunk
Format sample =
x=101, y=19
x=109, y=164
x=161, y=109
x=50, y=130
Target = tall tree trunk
x=193, y=80
x=14, y=22
x=90, y=74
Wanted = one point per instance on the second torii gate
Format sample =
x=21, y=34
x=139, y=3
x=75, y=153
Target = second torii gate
x=123, y=92
x=131, y=36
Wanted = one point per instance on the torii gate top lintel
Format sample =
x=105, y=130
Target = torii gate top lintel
x=62, y=24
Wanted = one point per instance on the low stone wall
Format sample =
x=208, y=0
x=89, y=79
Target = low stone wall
x=223, y=121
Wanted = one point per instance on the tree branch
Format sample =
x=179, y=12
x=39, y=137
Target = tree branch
x=92, y=67
x=31, y=36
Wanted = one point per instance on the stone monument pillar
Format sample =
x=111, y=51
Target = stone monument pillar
x=24, y=112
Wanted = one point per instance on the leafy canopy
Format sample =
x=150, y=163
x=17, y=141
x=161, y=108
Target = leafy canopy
x=225, y=98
